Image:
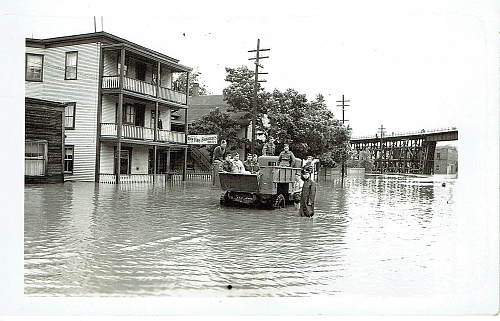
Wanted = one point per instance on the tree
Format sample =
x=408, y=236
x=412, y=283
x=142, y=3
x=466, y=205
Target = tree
x=179, y=83
x=217, y=122
x=239, y=94
x=364, y=160
x=308, y=127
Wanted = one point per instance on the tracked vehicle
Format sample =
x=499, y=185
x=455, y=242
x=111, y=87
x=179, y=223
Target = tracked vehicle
x=271, y=186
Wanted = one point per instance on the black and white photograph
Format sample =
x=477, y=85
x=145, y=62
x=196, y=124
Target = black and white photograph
x=257, y=158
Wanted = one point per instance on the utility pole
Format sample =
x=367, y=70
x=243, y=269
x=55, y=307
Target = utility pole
x=255, y=87
x=382, y=132
x=343, y=105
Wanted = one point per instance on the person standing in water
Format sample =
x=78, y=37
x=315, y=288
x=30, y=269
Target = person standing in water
x=308, y=195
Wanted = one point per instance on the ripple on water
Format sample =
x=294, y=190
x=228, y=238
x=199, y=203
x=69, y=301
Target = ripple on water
x=367, y=237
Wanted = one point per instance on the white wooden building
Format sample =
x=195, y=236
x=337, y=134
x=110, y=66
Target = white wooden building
x=120, y=119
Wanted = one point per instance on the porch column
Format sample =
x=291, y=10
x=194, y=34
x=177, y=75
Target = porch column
x=119, y=117
x=168, y=162
x=155, y=162
x=184, y=167
x=99, y=119
x=157, y=89
x=156, y=122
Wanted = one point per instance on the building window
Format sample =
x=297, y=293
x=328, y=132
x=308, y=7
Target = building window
x=35, y=158
x=69, y=152
x=438, y=155
x=34, y=67
x=125, y=69
x=129, y=114
x=71, y=64
x=437, y=167
x=69, y=116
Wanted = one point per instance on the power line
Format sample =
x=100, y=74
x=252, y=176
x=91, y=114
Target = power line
x=343, y=105
x=257, y=59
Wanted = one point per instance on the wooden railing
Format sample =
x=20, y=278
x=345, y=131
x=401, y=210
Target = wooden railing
x=201, y=159
x=153, y=178
x=142, y=87
x=142, y=133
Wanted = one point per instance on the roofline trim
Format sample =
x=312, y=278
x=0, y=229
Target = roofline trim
x=105, y=38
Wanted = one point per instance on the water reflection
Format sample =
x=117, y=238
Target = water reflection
x=373, y=236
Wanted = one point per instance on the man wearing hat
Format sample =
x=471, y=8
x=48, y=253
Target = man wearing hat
x=308, y=194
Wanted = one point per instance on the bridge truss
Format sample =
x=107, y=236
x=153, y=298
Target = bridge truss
x=405, y=153
x=413, y=155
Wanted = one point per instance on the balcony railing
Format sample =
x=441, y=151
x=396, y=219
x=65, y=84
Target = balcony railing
x=142, y=133
x=142, y=87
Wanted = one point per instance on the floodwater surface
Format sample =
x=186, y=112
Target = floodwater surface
x=370, y=236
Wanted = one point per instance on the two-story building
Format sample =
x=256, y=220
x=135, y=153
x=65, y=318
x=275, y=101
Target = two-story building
x=446, y=160
x=120, y=105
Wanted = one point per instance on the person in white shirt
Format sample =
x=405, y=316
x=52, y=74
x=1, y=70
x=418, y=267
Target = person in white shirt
x=297, y=190
x=238, y=166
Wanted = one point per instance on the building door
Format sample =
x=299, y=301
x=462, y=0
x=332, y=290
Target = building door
x=140, y=71
x=162, y=162
x=139, y=114
x=125, y=160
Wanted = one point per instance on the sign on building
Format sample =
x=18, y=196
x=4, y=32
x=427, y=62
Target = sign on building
x=202, y=139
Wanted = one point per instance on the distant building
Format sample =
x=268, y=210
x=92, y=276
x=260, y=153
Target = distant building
x=45, y=159
x=121, y=109
x=446, y=160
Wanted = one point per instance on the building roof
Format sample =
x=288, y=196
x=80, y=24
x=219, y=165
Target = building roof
x=109, y=41
x=37, y=101
x=200, y=106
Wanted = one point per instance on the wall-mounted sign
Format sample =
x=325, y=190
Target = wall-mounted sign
x=202, y=139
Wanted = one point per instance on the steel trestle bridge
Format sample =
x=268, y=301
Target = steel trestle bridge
x=410, y=152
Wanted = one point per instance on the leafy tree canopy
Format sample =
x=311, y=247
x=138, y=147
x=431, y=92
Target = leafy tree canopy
x=308, y=126
x=220, y=123
x=179, y=82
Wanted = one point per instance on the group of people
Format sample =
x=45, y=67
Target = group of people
x=232, y=163
x=304, y=187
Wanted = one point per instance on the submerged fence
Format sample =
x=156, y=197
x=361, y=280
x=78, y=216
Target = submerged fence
x=324, y=174
x=153, y=178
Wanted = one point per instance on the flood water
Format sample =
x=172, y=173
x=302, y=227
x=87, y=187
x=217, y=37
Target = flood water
x=370, y=236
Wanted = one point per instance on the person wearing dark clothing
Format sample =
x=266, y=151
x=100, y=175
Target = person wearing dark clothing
x=286, y=157
x=308, y=195
x=248, y=163
x=269, y=148
x=227, y=164
x=251, y=164
x=220, y=152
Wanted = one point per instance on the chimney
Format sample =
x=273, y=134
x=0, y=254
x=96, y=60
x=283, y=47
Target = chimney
x=196, y=89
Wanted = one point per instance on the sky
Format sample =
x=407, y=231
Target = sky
x=406, y=65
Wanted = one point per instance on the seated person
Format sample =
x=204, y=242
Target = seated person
x=286, y=157
x=255, y=164
x=248, y=163
x=227, y=164
x=238, y=166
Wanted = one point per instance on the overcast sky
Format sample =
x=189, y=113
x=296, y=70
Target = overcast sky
x=407, y=65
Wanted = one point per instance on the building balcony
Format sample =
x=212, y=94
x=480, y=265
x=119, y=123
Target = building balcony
x=139, y=133
x=144, y=88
